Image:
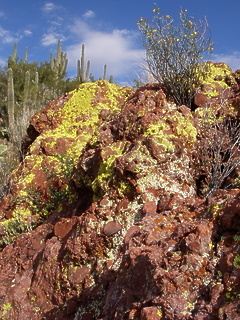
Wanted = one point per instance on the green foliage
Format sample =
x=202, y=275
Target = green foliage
x=8, y=162
x=30, y=87
x=174, y=52
x=40, y=202
x=57, y=188
x=13, y=228
x=11, y=101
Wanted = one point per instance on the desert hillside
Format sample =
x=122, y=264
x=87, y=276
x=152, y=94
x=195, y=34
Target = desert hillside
x=126, y=206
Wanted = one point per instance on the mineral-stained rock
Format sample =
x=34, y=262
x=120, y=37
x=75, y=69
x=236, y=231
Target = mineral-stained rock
x=104, y=220
x=111, y=228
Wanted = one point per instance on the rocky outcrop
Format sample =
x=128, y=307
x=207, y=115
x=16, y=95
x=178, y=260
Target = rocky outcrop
x=105, y=220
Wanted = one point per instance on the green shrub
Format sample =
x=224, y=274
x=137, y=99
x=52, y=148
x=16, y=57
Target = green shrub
x=9, y=159
x=174, y=53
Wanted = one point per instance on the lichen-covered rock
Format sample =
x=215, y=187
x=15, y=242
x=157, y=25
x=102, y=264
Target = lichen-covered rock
x=145, y=148
x=60, y=132
x=117, y=229
x=216, y=86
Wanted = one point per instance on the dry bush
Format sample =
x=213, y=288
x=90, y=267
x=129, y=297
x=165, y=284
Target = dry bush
x=218, y=150
x=174, y=52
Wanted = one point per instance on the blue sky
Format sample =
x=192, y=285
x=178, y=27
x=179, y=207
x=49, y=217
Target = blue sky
x=108, y=29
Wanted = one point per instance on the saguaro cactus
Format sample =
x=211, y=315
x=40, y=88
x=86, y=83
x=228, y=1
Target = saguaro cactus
x=19, y=113
x=10, y=101
x=26, y=55
x=83, y=76
x=36, y=86
x=105, y=72
x=111, y=80
x=59, y=64
x=26, y=86
x=13, y=58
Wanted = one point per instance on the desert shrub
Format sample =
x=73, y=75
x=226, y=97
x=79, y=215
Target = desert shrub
x=13, y=228
x=218, y=150
x=8, y=162
x=174, y=53
x=58, y=188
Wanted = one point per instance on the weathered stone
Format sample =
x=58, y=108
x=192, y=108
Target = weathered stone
x=62, y=227
x=149, y=208
x=151, y=313
x=113, y=226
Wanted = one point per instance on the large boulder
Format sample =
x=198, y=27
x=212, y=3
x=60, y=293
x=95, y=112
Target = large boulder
x=105, y=220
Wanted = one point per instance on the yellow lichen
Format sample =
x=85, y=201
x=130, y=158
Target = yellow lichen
x=216, y=77
x=79, y=116
x=158, y=132
x=105, y=172
x=76, y=122
x=5, y=308
x=185, y=128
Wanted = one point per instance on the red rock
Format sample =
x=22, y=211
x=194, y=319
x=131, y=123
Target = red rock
x=111, y=228
x=200, y=99
x=63, y=227
x=78, y=274
x=151, y=313
x=131, y=231
x=175, y=255
x=150, y=207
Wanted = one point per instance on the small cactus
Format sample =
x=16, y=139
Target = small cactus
x=59, y=64
x=83, y=76
x=105, y=72
x=10, y=102
x=26, y=55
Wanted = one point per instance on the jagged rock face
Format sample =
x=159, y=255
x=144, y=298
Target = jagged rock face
x=108, y=188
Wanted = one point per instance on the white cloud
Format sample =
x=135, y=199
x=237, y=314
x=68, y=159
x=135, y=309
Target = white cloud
x=115, y=48
x=6, y=36
x=54, y=24
x=89, y=14
x=27, y=32
x=232, y=59
x=49, y=39
x=49, y=6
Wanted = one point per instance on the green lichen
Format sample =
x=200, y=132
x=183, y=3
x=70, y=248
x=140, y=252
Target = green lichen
x=123, y=188
x=3, y=148
x=216, y=209
x=236, y=238
x=159, y=313
x=236, y=261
